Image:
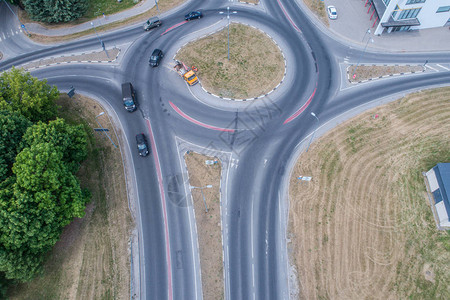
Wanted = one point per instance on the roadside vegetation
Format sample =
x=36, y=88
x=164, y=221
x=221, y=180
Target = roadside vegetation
x=91, y=260
x=40, y=155
x=365, y=72
x=363, y=227
x=318, y=7
x=256, y=64
x=208, y=222
x=164, y=5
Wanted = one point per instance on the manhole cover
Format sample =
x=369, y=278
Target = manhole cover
x=1, y=55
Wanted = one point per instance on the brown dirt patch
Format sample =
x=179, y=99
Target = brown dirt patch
x=361, y=229
x=250, y=1
x=255, y=67
x=163, y=5
x=364, y=72
x=92, y=259
x=318, y=8
x=208, y=223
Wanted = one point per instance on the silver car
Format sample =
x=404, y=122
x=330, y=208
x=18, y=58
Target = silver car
x=152, y=23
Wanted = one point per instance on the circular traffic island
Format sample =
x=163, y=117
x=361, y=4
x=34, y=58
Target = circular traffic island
x=256, y=65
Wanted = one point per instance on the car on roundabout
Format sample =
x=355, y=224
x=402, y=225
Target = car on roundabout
x=155, y=58
x=193, y=15
x=142, y=144
x=152, y=23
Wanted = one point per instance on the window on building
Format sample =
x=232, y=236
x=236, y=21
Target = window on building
x=386, y=2
x=409, y=13
x=415, y=1
x=394, y=13
x=443, y=9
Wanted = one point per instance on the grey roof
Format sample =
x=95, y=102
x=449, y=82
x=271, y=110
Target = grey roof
x=405, y=22
x=380, y=7
x=442, y=171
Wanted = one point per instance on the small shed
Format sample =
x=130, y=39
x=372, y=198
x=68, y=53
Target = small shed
x=439, y=187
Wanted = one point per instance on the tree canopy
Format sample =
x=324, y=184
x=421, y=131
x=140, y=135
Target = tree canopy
x=54, y=11
x=32, y=98
x=12, y=128
x=39, y=191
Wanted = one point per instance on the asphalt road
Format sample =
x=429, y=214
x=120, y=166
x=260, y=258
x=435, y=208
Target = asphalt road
x=257, y=140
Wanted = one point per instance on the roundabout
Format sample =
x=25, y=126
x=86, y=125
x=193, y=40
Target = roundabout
x=257, y=141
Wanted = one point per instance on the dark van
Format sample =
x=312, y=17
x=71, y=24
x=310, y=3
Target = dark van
x=129, y=97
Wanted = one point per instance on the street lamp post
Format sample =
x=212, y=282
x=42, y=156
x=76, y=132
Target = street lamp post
x=103, y=129
x=99, y=39
x=228, y=17
x=312, y=136
x=157, y=8
x=359, y=60
x=203, y=195
x=367, y=32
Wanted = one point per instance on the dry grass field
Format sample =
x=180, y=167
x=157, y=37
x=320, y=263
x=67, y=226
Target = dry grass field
x=208, y=223
x=92, y=259
x=255, y=67
x=318, y=8
x=363, y=228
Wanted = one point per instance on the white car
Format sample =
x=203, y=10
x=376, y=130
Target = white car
x=332, y=12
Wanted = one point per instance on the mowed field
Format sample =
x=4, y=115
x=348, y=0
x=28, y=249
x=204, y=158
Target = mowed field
x=363, y=227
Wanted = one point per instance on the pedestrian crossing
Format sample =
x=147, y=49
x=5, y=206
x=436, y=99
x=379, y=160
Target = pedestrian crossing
x=9, y=34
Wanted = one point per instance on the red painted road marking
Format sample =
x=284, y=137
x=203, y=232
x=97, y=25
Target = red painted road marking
x=173, y=27
x=287, y=16
x=161, y=189
x=298, y=112
x=181, y=113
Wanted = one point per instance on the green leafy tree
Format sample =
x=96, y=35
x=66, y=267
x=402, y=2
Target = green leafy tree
x=34, y=99
x=70, y=140
x=54, y=11
x=45, y=197
x=12, y=128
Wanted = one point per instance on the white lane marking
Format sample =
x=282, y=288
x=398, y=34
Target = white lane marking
x=443, y=67
x=427, y=66
x=190, y=224
x=12, y=32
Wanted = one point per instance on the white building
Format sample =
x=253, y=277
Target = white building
x=400, y=15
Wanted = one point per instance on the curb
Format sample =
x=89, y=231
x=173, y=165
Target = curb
x=384, y=76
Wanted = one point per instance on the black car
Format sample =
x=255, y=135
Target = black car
x=156, y=57
x=142, y=144
x=129, y=97
x=193, y=15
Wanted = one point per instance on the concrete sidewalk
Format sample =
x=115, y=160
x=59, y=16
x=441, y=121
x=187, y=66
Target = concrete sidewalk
x=354, y=20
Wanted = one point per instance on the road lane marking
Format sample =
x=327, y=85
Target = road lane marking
x=173, y=27
x=443, y=67
x=190, y=225
x=288, y=17
x=301, y=109
x=181, y=113
x=427, y=66
x=163, y=198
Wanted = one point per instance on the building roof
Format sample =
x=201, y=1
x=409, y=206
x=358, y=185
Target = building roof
x=404, y=22
x=442, y=171
x=380, y=7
